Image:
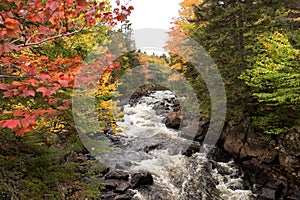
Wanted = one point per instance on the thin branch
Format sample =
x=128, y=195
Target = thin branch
x=16, y=40
x=8, y=76
x=50, y=38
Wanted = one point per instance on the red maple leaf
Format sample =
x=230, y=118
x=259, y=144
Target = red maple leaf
x=27, y=93
x=21, y=131
x=11, y=123
x=7, y=47
x=18, y=113
x=43, y=90
x=11, y=23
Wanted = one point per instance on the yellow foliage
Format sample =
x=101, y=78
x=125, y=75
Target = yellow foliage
x=106, y=107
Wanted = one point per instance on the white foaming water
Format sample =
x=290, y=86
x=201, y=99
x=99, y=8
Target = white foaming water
x=176, y=177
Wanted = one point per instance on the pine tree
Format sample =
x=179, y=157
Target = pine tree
x=228, y=30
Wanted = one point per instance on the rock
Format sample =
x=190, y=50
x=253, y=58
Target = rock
x=119, y=175
x=123, y=197
x=108, y=196
x=270, y=162
x=235, y=137
x=173, y=120
x=149, y=148
x=86, y=180
x=122, y=186
x=219, y=154
x=116, y=185
x=258, y=150
x=80, y=158
x=192, y=132
x=111, y=184
x=193, y=148
x=103, y=171
x=289, y=162
x=267, y=194
x=138, y=93
x=141, y=179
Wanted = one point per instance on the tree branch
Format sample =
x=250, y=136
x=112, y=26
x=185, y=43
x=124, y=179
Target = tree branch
x=50, y=38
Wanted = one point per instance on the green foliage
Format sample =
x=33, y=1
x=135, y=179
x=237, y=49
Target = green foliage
x=32, y=167
x=229, y=32
x=275, y=78
x=81, y=44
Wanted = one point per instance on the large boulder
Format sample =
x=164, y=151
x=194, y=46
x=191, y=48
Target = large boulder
x=173, y=120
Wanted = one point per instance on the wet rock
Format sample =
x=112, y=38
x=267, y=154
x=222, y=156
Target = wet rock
x=267, y=194
x=192, y=149
x=123, y=197
x=104, y=171
x=122, y=186
x=173, y=120
x=138, y=93
x=120, y=167
x=149, y=148
x=115, y=185
x=126, y=196
x=219, y=154
x=207, y=166
x=108, y=196
x=192, y=131
x=111, y=184
x=141, y=179
x=119, y=175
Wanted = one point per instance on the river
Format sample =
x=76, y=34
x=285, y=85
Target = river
x=146, y=144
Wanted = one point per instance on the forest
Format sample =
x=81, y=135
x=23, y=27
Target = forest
x=45, y=45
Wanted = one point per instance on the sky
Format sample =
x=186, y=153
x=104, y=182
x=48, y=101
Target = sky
x=151, y=19
x=153, y=13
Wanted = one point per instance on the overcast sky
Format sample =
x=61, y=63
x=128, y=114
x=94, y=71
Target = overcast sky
x=153, y=13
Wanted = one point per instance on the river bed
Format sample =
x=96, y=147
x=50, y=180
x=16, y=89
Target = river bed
x=146, y=144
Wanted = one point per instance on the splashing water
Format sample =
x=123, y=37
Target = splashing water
x=146, y=144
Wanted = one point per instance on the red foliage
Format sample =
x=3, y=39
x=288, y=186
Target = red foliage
x=29, y=23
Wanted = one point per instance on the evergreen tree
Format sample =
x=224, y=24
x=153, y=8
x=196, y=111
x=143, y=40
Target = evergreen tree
x=229, y=30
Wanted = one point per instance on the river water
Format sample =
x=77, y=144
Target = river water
x=146, y=144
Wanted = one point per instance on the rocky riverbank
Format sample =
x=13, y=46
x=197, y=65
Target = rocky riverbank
x=271, y=163
x=119, y=185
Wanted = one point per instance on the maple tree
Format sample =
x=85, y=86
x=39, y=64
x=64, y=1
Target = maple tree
x=36, y=82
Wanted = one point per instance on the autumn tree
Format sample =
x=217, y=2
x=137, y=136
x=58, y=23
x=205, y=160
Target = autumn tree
x=40, y=54
x=42, y=48
x=228, y=30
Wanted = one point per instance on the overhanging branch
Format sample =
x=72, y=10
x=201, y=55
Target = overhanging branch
x=27, y=43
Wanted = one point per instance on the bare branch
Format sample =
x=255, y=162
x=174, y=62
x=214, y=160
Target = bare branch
x=9, y=76
x=50, y=38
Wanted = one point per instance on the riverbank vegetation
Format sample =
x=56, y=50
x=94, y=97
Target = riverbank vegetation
x=255, y=45
x=42, y=46
x=45, y=44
